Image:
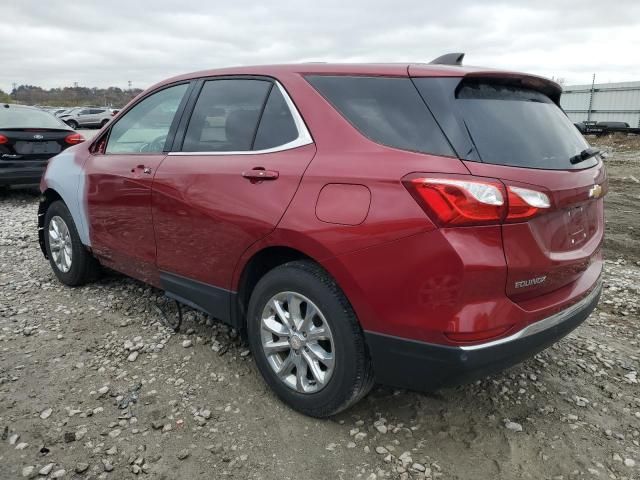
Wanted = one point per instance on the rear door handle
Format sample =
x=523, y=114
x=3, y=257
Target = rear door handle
x=258, y=174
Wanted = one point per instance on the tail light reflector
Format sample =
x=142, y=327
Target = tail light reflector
x=465, y=337
x=74, y=139
x=3, y=139
x=475, y=201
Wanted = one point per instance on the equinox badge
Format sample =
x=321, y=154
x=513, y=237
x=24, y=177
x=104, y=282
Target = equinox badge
x=530, y=282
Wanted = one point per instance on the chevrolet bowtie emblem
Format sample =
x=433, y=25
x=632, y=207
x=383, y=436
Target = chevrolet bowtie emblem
x=595, y=191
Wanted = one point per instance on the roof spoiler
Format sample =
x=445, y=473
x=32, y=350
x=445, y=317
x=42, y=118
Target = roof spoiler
x=448, y=59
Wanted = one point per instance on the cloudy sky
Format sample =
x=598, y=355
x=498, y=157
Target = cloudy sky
x=54, y=43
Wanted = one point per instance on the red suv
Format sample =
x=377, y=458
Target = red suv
x=415, y=225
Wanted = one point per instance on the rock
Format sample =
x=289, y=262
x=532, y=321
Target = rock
x=103, y=391
x=13, y=439
x=69, y=437
x=81, y=467
x=46, y=413
x=133, y=356
x=629, y=462
x=513, y=426
x=115, y=433
x=187, y=343
x=46, y=470
x=182, y=454
x=381, y=450
x=107, y=465
x=381, y=428
x=206, y=414
x=419, y=467
x=22, y=446
x=59, y=473
x=28, y=472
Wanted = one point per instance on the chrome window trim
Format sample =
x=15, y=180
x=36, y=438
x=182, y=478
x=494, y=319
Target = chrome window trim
x=543, y=324
x=304, y=137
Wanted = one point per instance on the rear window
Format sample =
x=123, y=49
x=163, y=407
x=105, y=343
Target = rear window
x=387, y=110
x=515, y=126
x=21, y=117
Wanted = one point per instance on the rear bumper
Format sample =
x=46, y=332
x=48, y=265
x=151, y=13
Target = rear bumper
x=21, y=176
x=425, y=366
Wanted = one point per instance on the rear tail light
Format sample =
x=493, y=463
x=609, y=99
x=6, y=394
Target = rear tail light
x=74, y=139
x=3, y=139
x=475, y=201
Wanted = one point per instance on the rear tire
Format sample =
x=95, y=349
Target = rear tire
x=323, y=389
x=70, y=260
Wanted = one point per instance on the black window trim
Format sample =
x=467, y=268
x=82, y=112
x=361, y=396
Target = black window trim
x=304, y=136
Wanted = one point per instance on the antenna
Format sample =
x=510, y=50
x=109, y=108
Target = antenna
x=448, y=59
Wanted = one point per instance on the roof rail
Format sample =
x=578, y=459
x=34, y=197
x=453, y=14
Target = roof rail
x=448, y=59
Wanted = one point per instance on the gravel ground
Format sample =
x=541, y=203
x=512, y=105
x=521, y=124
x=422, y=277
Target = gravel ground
x=92, y=385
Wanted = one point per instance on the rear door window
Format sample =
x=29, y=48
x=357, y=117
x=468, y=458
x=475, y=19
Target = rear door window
x=511, y=125
x=277, y=126
x=387, y=110
x=225, y=117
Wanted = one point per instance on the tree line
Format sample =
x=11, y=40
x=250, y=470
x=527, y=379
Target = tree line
x=69, y=96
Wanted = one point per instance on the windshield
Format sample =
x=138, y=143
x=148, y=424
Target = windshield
x=516, y=126
x=24, y=117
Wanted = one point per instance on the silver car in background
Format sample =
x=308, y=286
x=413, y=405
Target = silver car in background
x=87, y=117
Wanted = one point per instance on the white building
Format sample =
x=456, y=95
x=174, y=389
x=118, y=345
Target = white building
x=603, y=101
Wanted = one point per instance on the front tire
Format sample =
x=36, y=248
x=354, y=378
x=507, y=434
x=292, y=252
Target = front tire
x=73, y=124
x=70, y=260
x=306, y=340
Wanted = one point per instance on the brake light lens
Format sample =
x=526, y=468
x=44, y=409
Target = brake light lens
x=74, y=139
x=3, y=140
x=475, y=201
x=459, y=202
x=525, y=203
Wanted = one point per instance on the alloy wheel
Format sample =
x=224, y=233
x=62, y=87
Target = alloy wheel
x=60, y=244
x=297, y=342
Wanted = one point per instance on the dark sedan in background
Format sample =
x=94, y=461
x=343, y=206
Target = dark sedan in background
x=29, y=137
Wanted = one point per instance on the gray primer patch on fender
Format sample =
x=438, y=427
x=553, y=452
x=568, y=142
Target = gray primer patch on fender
x=66, y=176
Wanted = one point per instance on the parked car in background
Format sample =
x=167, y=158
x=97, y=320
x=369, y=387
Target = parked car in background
x=355, y=222
x=87, y=117
x=29, y=137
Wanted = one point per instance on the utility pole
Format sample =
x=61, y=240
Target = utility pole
x=129, y=82
x=593, y=81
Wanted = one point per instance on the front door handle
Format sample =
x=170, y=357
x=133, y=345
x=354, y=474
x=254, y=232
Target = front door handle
x=258, y=174
x=144, y=169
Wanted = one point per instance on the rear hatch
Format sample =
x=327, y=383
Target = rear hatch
x=511, y=128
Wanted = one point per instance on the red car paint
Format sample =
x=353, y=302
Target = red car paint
x=341, y=202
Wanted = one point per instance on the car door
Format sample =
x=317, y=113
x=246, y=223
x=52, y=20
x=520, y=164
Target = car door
x=83, y=116
x=119, y=174
x=227, y=184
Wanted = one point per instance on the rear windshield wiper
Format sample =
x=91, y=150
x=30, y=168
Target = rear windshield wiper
x=584, y=155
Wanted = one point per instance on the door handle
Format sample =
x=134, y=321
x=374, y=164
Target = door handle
x=259, y=173
x=144, y=169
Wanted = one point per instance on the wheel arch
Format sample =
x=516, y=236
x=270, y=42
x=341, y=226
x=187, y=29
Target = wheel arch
x=46, y=199
x=259, y=264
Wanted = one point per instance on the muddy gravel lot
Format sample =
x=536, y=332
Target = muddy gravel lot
x=92, y=385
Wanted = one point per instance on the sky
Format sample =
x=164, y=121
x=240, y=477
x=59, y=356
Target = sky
x=55, y=43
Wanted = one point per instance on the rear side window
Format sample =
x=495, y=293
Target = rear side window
x=225, y=117
x=387, y=110
x=509, y=124
x=277, y=126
